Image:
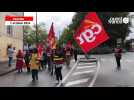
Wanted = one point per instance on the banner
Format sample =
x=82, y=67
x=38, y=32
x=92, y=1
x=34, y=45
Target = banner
x=91, y=33
x=51, y=39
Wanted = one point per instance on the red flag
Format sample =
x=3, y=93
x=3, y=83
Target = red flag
x=68, y=44
x=39, y=50
x=51, y=38
x=91, y=33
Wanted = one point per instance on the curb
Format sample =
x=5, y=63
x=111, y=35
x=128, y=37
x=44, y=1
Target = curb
x=5, y=73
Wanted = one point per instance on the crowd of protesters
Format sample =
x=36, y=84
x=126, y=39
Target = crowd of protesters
x=51, y=60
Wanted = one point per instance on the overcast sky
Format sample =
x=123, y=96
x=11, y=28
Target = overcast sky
x=60, y=19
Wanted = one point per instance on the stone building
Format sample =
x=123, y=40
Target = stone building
x=10, y=35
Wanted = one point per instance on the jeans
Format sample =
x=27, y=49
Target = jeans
x=35, y=74
x=10, y=61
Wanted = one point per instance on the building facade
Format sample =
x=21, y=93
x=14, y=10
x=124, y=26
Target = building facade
x=10, y=35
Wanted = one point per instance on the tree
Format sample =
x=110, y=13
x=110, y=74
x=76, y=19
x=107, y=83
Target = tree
x=69, y=31
x=30, y=36
x=114, y=31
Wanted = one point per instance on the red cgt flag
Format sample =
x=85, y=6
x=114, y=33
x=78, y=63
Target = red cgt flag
x=91, y=33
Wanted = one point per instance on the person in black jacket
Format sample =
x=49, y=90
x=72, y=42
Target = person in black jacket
x=27, y=59
x=118, y=56
x=75, y=52
x=58, y=59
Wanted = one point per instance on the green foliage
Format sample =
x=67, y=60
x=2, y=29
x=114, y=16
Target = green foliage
x=30, y=35
x=114, y=31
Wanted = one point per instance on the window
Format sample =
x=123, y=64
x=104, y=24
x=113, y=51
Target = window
x=10, y=30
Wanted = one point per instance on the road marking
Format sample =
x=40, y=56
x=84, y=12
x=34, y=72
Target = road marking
x=127, y=60
x=86, y=64
x=84, y=67
x=82, y=72
x=69, y=73
x=103, y=59
x=95, y=76
x=77, y=82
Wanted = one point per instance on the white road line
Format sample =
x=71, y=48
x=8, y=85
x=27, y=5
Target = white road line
x=77, y=82
x=127, y=60
x=82, y=72
x=69, y=73
x=84, y=67
x=86, y=64
x=95, y=76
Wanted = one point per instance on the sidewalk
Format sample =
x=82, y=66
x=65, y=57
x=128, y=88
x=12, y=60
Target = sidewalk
x=5, y=69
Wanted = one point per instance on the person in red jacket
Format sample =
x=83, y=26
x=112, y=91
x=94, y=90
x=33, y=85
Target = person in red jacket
x=19, y=62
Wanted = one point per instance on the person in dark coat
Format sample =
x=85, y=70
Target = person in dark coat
x=58, y=59
x=27, y=60
x=118, y=56
x=75, y=52
x=44, y=60
x=49, y=59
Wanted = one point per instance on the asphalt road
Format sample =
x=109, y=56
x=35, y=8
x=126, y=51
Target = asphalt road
x=24, y=79
x=108, y=76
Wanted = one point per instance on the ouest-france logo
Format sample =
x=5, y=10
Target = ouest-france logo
x=119, y=20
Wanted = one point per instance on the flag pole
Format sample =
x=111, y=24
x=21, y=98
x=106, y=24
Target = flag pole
x=36, y=30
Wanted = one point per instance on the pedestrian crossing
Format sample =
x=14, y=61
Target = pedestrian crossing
x=82, y=74
x=77, y=82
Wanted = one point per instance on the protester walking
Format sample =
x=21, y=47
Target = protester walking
x=19, y=62
x=58, y=63
x=44, y=60
x=49, y=59
x=34, y=65
x=10, y=53
x=27, y=58
x=75, y=53
x=68, y=57
x=118, y=56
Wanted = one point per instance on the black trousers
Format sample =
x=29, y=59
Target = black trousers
x=35, y=74
x=41, y=62
x=49, y=65
x=118, y=62
x=58, y=73
x=27, y=65
x=75, y=57
x=68, y=58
